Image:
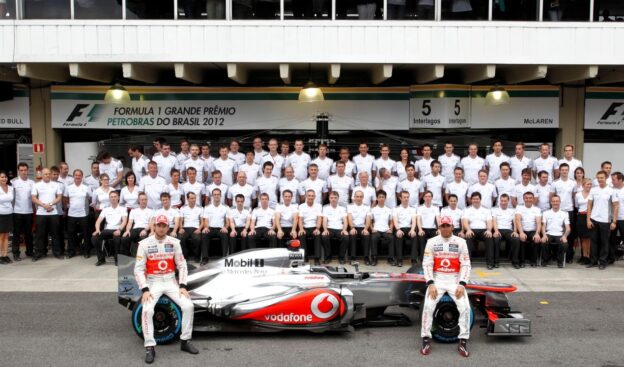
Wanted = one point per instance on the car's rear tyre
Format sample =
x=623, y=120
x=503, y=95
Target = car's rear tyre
x=167, y=320
x=445, y=323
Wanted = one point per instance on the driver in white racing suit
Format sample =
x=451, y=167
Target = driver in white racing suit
x=157, y=258
x=446, y=266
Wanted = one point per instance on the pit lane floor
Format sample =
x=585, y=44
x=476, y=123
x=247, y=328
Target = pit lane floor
x=91, y=329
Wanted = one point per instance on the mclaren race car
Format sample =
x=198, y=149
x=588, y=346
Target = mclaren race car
x=265, y=290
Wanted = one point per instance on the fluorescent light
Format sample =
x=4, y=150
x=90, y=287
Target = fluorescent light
x=117, y=94
x=311, y=93
x=497, y=96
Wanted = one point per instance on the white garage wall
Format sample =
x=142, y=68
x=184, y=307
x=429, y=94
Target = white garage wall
x=596, y=153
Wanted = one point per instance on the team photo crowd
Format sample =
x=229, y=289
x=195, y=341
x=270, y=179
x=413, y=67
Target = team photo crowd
x=533, y=212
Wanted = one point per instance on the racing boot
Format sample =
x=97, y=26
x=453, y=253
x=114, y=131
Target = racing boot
x=462, y=348
x=426, y=346
x=150, y=354
x=188, y=347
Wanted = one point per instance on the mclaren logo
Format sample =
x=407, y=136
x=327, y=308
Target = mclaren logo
x=325, y=305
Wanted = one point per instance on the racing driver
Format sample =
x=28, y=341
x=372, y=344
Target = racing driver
x=157, y=258
x=446, y=266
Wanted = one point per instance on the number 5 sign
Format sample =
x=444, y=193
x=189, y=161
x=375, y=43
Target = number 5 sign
x=439, y=106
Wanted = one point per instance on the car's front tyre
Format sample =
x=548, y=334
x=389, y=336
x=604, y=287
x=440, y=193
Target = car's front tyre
x=167, y=320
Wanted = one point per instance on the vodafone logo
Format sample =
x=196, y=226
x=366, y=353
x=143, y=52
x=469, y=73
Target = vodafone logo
x=324, y=305
x=162, y=265
x=445, y=263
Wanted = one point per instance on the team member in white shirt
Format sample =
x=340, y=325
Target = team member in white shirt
x=455, y=213
x=190, y=227
x=486, y=189
x=243, y=188
x=313, y=183
x=262, y=226
x=113, y=168
x=412, y=185
x=217, y=183
x=239, y=219
x=423, y=165
x=472, y=164
x=22, y=211
x=404, y=217
x=359, y=218
x=524, y=186
x=286, y=219
x=459, y=188
x=234, y=153
x=267, y=184
x=284, y=149
x=402, y=163
x=389, y=184
x=138, y=227
x=172, y=214
x=449, y=161
x=323, y=162
x=384, y=161
x=309, y=226
x=259, y=153
x=275, y=158
x=335, y=224
x=519, y=163
x=565, y=188
x=503, y=217
x=76, y=200
x=546, y=162
x=493, y=161
x=116, y=217
x=194, y=161
x=505, y=184
x=350, y=168
x=289, y=182
x=364, y=187
x=364, y=162
x=605, y=166
x=93, y=180
x=427, y=217
x=45, y=195
x=214, y=226
x=477, y=224
x=529, y=226
x=341, y=183
x=165, y=161
x=226, y=165
x=139, y=162
x=435, y=183
x=193, y=185
x=153, y=185
x=602, y=209
x=617, y=179
x=581, y=198
x=206, y=177
x=555, y=231
x=542, y=191
x=568, y=158
x=129, y=196
x=382, y=226
x=250, y=168
x=7, y=195
x=299, y=161
x=64, y=177
x=184, y=155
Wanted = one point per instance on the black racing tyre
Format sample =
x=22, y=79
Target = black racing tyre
x=445, y=323
x=167, y=320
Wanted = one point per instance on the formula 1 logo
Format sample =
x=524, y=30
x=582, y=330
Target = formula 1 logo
x=324, y=305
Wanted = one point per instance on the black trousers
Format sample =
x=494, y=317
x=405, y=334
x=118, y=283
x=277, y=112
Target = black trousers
x=234, y=240
x=479, y=235
x=47, y=224
x=422, y=242
x=75, y=241
x=207, y=238
x=262, y=234
x=412, y=242
x=492, y=255
x=335, y=234
x=600, y=238
x=190, y=242
x=22, y=224
x=130, y=244
x=615, y=240
x=573, y=234
x=524, y=250
x=287, y=237
x=385, y=238
x=309, y=241
x=106, y=234
x=364, y=242
x=554, y=249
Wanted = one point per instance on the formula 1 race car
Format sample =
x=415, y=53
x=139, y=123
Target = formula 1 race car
x=264, y=290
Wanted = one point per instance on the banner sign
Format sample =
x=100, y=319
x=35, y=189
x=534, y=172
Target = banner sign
x=604, y=108
x=15, y=113
x=535, y=107
x=439, y=106
x=196, y=108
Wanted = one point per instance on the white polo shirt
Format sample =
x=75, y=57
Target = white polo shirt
x=227, y=167
x=309, y=214
x=477, y=218
x=23, y=195
x=381, y=218
x=364, y=164
x=335, y=216
x=112, y=169
x=487, y=191
x=299, y=163
x=565, y=190
x=247, y=191
x=428, y=215
x=528, y=217
x=113, y=216
x=342, y=185
x=404, y=216
x=520, y=190
x=267, y=185
x=293, y=185
x=197, y=188
x=197, y=163
x=215, y=214
x=555, y=222
x=324, y=167
x=358, y=214
x=251, y=170
x=542, y=196
x=176, y=194
x=548, y=164
x=435, y=184
x=319, y=186
x=493, y=162
x=350, y=168
x=414, y=187
x=456, y=214
x=390, y=187
x=46, y=193
x=258, y=155
x=128, y=199
x=225, y=191
x=78, y=200
x=153, y=187
x=460, y=189
x=369, y=194
x=449, y=163
x=171, y=214
x=601, y=199
x=471, y=167
x=507, y=186
x=400, y=170
x=141, y=217
x=263, y=217
x=517, y=165
x=239, y=217
x=6, y=200
x=278, y=165
x=389, y=164
x=504, y=217
x=580, y=202
x=620, y=195
x=286, y=214
x=165, y=164
x=191, y=216
x=573, y=163
x=238, y=157
x=139, y=168
x=423, y=166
